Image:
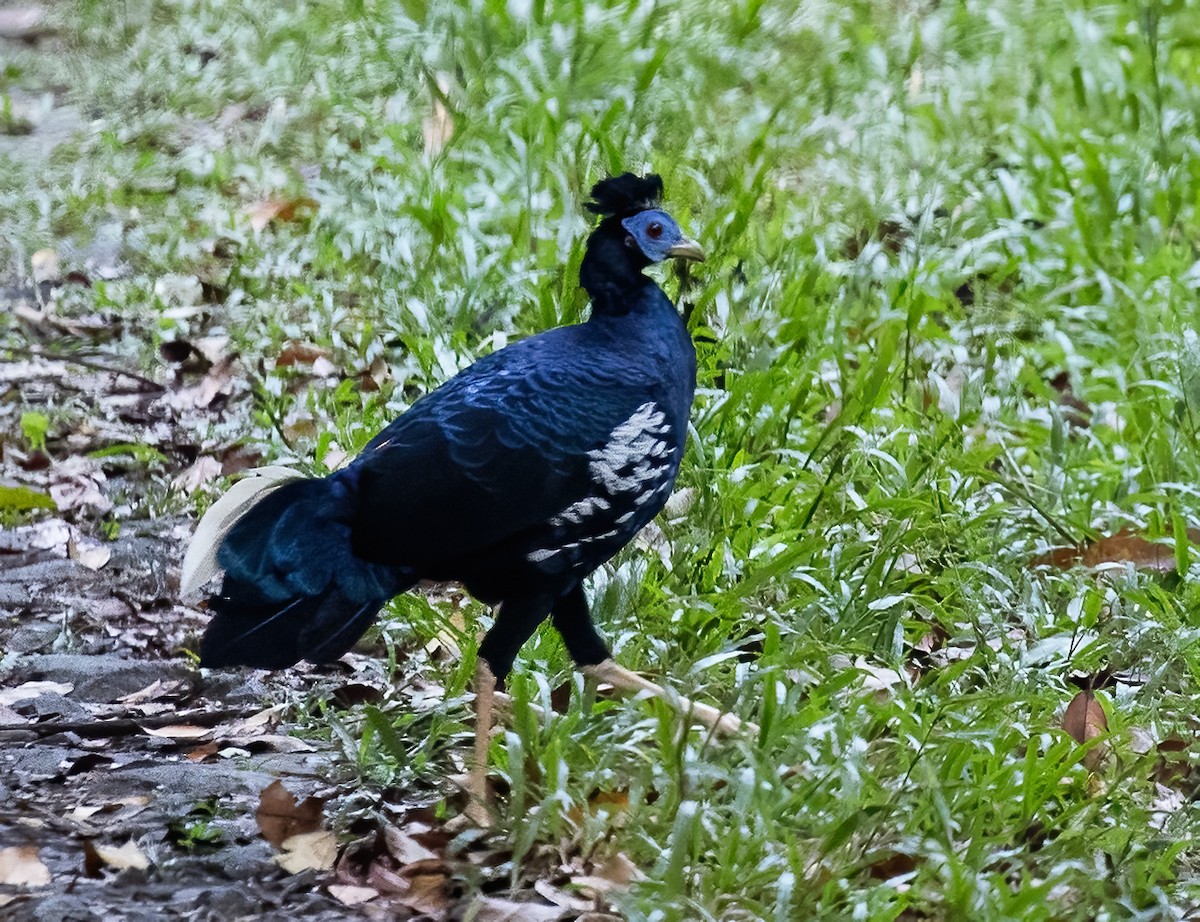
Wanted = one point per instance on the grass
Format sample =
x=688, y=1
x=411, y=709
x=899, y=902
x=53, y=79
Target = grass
x=924, y=221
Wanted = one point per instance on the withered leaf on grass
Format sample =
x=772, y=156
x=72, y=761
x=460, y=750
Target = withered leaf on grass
x=20, y=866
x=615, y=873
x=614, y=803
x=438, y=127
x=1125, y=546
x=280, y=817
x=299, y=353
x=1085, y=720
x=279, y=209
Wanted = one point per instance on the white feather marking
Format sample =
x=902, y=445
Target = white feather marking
x=541, y=554
x=583, y=509
x=200, y=562
x=631, y=445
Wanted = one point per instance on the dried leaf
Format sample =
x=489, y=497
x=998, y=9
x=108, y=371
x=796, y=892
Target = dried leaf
x=28, y=690
x=619, y=870
x=616, y=873
x=612, y=802
x=178, y=732
x=75, y=484
x=404, y=848
x=1125, y=547
x=308, y=851
x=120, y=858
x=350, y=895
x=202, y=470
x=202, y=753
x=20, y=866
x=277, y=209
x=492, y=909
x=89, y=552
x=1085, y=720
x=438, y=126
x=155, y=691
x=372, y=379
x=298, y=353
x=280, y=817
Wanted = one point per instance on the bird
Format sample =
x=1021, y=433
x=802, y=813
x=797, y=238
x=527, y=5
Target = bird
x=516, y=478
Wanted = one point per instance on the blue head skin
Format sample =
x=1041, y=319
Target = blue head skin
x=659, y=237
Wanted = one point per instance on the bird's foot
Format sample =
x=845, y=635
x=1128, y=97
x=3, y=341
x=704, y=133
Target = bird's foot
x=623, y=679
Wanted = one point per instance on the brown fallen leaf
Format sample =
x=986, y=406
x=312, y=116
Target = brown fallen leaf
x=375, y=375
x=615, y=875
x=404, y=848
x=615, y=803
x=279, y=209
x=421, y=892
x=1075, y=411
x=315, y=851
x=202, y=753
x=218, y=382
x=280, y=817
x=1084, y=720
x=893, y=864
x=20, y=866
x=299, y=353
x=1124, y=547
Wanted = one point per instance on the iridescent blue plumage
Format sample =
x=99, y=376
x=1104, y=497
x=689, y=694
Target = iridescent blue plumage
x=518, y=477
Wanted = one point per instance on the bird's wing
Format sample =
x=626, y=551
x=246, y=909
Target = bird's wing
x=501, y=448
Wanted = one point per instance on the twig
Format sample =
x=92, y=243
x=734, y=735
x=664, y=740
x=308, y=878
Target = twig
x=129, y=726
x=87, y=363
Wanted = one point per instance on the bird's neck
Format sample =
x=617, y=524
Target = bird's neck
x=611, y=273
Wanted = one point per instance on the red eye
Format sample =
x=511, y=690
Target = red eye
x=654, y=230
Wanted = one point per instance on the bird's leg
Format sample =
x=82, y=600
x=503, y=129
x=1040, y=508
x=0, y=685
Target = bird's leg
x=516, y=620
x=477, y=793
x=574, y=623
x=623, y=679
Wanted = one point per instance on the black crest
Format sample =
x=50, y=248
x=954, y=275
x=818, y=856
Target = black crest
x=625, y=194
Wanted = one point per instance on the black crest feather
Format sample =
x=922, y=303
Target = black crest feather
x=625, y=194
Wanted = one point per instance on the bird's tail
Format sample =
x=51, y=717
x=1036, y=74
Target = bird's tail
x=293, y=588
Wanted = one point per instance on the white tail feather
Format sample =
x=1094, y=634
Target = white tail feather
x=200, y=562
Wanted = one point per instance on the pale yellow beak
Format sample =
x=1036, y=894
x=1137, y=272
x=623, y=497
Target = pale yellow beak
x=687, y=248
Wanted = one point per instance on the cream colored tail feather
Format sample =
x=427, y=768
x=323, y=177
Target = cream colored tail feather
x=200, y=562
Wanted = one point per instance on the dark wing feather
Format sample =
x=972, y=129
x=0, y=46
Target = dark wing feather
x=500, y=449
